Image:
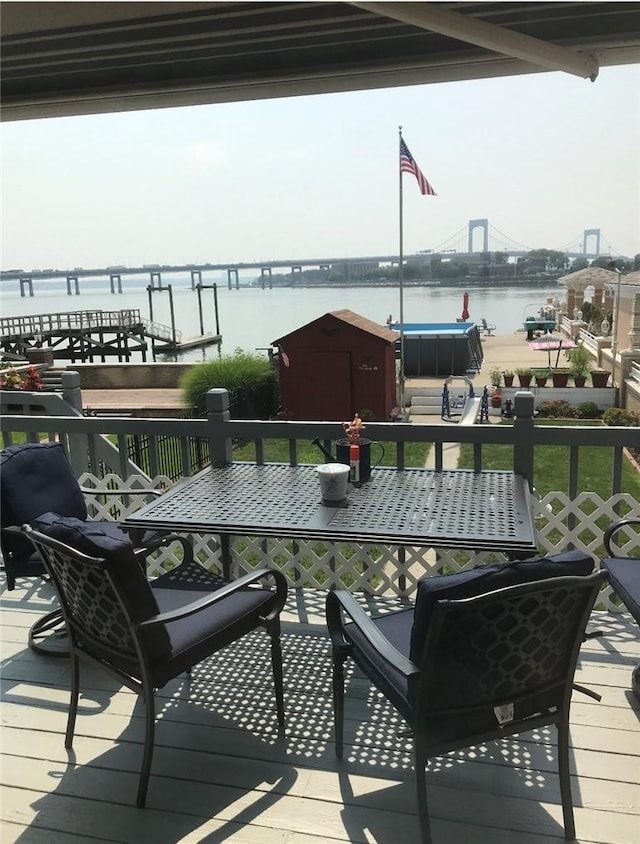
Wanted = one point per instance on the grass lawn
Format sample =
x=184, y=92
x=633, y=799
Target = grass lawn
x=551, y=465
x=277, y=451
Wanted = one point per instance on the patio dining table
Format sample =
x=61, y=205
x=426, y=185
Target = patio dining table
x=481, y=511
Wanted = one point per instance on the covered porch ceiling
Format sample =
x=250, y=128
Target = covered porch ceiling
x=83, y=58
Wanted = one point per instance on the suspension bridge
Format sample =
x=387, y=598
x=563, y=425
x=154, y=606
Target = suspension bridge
x=480, y=236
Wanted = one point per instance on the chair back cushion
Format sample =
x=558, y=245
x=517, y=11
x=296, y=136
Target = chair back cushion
x=92, y=597
x=35, y=478
x=468, y=584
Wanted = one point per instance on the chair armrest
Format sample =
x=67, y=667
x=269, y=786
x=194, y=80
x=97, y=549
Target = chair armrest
x=220, y=594
x=341, y=601
x=613, y=529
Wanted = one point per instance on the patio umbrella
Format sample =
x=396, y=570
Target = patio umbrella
x=465, y=306
x=552, y=343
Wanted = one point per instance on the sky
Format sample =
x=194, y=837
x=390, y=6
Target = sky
x=543, y=157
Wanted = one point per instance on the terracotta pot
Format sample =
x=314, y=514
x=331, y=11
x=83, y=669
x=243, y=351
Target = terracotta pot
x=496, y=400
x=508, y=380
x=599, y=379
x=560, y=379
x=579, y=380
x=541, y=380
x=524, y=380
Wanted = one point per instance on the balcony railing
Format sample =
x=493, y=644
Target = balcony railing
x=574, y=517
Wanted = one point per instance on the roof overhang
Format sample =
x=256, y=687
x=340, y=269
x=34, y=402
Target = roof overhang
x=81, y=58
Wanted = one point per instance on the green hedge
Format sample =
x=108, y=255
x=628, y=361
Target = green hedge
x=251, y=380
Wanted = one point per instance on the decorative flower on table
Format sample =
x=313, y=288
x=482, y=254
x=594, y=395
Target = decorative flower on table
x=354, y=429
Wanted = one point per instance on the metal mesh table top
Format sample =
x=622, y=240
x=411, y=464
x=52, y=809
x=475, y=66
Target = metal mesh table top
x=457, y=508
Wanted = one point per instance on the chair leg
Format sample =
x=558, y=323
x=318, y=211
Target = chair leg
x=338, y=701
x=276, y=664
x=73, y=703
x=422, y=805
x=565, y=780
x=149, y=737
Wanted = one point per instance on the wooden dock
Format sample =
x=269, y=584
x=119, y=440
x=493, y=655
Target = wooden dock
x=94, y=335
x=220, y=774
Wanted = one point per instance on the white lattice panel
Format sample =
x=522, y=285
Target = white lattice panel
x=579, y=523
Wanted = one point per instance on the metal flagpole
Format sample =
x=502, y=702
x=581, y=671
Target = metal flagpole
x=401, y=283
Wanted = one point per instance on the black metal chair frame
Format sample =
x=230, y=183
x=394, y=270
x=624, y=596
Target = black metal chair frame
x=47, y=635
x=430, y=705
x=629, y=599
x=140, y=680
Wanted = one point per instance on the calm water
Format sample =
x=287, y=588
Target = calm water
x=252, y=318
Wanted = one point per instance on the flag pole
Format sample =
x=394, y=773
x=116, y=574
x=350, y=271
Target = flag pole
x=401, y=280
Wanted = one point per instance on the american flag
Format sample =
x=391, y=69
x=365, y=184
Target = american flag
x=408, y=165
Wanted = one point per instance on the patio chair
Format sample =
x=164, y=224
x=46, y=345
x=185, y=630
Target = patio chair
x=624, y=575
x=146, y=633
x=36, y=478
x=482, y=655
x=488, y=328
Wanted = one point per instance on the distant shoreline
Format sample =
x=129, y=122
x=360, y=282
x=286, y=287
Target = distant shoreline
x=513, y=281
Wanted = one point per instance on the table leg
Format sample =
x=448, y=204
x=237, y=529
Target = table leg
x=225, y=555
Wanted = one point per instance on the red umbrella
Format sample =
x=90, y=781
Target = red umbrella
x=465, y=306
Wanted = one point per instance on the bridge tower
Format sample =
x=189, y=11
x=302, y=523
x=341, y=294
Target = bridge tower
x=589, y=233
x=479, y=224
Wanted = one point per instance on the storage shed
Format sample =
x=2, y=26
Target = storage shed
x=337, y=365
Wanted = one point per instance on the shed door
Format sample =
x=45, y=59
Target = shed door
x=327, y=391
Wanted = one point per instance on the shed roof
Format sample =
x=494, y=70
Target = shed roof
x=351, y=318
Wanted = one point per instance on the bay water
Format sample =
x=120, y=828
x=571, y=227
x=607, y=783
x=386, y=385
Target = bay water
x=253, y=318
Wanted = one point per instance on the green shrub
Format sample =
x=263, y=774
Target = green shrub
x=557, y=410
x=588, y=410
x=619, y=416
x=251, y=380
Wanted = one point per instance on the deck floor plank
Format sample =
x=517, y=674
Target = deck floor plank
x=221, y=774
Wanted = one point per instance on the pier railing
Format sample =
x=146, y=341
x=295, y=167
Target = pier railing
x=47, y=325
x=574, y=516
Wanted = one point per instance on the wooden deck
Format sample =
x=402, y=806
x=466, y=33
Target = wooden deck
x=220, y=774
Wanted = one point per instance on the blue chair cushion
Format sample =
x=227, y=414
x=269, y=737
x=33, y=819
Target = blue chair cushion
x=624, y=576
x=34, y=477
x=485, y=579
x=199, y=635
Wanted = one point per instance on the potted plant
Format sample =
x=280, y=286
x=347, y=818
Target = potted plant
x=580, y=361
x=540, y=377
x=495, y=377
x=496, y=398
x=599, y=377
x=524, y=376
x=508, y=378
x=560, y=377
